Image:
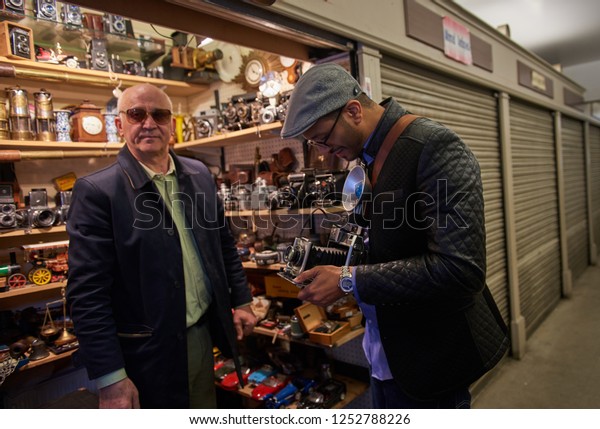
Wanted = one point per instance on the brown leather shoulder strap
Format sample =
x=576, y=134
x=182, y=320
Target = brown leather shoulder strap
x=391, y=137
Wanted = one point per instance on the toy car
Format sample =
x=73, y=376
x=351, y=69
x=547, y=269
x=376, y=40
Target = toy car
x=294, y=390
x=326, y=395
x=269, y=386
x=231, y=381
x=260, y=374
x=226, y=368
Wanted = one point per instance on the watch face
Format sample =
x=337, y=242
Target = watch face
x=92, y=125
x=254, y=71
x=346, y=285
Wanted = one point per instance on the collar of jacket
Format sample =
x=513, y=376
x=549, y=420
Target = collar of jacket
x=136, y=174
x=393, y=111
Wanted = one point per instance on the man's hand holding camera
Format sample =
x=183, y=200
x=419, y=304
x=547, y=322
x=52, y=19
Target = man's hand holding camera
x=323, y=290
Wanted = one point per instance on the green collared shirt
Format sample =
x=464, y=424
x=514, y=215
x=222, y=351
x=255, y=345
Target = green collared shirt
x=197, y=294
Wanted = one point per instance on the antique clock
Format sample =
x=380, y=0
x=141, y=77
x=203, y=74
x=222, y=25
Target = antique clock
x=88, y=123
x=254, y=66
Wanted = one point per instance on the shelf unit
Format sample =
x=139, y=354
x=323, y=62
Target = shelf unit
x=29, y=293
x=60, y=74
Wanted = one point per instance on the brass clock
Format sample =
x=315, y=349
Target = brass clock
x=254, y=66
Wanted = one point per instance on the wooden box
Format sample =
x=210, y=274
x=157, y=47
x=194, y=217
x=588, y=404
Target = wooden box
x=7, y=49
x=311, y=317
x=276, y=286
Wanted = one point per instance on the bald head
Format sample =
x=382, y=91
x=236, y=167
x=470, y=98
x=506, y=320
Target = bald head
x=146, y=91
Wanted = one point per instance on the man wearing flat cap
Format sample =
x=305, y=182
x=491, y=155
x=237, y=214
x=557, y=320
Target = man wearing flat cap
x=432, y=326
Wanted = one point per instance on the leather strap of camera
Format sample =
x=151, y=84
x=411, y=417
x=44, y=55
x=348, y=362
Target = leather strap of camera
x=391, y=137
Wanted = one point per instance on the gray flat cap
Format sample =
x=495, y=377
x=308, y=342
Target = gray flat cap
x=321, y=90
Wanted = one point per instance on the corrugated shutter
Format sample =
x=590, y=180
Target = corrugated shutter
x=472, y=113
x=595, y=185
x=536, y=211
x=573, y=150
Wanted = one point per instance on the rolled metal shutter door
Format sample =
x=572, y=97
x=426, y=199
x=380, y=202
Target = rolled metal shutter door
x=573, y=150
x=536, y=211
x=595, y=185
x=472, y=113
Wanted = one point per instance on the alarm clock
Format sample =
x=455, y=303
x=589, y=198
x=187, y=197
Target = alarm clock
x=88, y=123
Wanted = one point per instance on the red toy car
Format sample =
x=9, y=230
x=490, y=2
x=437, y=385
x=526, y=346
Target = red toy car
x=271, y=385
x=231, y=381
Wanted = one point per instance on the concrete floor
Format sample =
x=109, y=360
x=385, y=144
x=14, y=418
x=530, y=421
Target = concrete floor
x=561, y=365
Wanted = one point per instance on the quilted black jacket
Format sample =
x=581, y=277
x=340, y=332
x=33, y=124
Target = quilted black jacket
x=427, y=261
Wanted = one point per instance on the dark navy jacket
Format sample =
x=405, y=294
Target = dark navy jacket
x=126, y=288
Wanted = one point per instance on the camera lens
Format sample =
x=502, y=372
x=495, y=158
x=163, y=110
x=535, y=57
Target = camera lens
x=43, y=218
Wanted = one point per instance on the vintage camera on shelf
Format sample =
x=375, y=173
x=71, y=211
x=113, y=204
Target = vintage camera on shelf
x=98, y=54
x=261, y=193
x=45, y=9
x=207, y=123
x=20, y=42
x=114, y=24
x=346, y=246
x=8, y=206
x=134, y=68
x=13, y=8
x=63, y=202
x=71, y=15
x=308, y=189
x=37, y=214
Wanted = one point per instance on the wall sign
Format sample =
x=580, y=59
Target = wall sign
x=457, y=41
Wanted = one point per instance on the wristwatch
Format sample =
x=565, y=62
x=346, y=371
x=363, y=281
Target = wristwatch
x=345, y=283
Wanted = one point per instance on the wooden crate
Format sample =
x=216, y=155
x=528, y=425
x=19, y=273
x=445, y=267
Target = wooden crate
x=6, y=48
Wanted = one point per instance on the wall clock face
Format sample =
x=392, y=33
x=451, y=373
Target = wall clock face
x=254, y=66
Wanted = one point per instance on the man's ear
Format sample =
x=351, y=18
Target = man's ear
x=119, y=125
x=354, y=109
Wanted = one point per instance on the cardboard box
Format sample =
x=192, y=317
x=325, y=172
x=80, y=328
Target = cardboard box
x=311, y=317
x=275, y=286
x=6, y=49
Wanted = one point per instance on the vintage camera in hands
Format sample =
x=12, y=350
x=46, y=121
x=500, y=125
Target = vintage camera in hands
x=12, y=7
x=98, y=54
x=8, y=207
x=346, y=246
x=71, y=15
x=114, y=24
x=20, y=42
x=45, y=9
x=37, y=214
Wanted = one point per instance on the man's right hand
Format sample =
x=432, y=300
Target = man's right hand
x=122, y=394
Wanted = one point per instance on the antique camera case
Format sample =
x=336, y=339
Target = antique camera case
x=45, y=9
x=115, y=24
x=71, y=15
x=15, y=8
x=98, y=54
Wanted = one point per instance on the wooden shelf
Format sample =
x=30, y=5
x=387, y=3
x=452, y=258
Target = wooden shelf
x=47, y=360
x=57, y=73
x=232, y=138
x=66, y=146
x=30, y=293
x=32, y=231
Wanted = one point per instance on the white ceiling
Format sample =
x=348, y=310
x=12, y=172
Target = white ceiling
x=565, y=32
